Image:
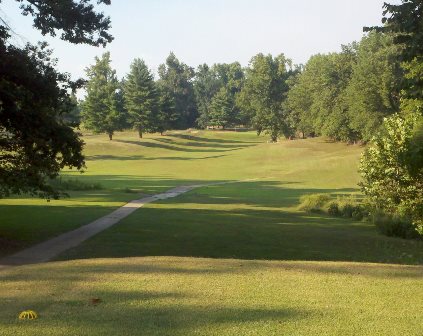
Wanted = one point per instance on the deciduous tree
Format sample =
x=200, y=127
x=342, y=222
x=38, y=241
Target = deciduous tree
x=36, y=137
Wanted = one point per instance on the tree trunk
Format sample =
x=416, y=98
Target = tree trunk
x=110, y=136
x=140, y=133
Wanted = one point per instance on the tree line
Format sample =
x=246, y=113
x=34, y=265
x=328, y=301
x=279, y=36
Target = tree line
x=342, y=95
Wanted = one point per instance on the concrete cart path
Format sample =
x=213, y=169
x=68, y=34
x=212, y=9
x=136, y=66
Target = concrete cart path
x=49, y=249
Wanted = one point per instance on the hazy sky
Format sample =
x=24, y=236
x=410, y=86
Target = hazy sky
x=212, y=31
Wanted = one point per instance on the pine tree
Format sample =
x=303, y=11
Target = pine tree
x=141, y=97
x=222, y=109
x=166, y=114
x=100, y=110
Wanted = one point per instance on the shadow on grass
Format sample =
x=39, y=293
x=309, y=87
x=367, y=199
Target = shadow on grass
x=144, y=158
x=213, y=141
x=229, y=221
x=176, y=148
x=239, y=220
x=198, y=143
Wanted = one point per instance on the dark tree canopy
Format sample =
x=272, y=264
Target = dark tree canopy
x=405, y=22
x=36, y=136
x=77, y=20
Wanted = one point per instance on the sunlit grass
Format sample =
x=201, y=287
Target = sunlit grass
x=235, y=226
x=186, y=296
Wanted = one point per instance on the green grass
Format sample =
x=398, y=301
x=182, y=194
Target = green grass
x=186, y=296
x=329, y=276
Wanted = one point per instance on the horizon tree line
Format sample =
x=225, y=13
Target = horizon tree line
x=340, y=95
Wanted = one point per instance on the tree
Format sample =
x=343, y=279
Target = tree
x=141, y=97
x=206, y=84
x=176, y=78
x=222, y=112
x=392, y=169
x=36, y=140
x=264, y=94
x=100, y=109
x=372, y=93
x=166, y=115
x=317, y=100
x=404, y=21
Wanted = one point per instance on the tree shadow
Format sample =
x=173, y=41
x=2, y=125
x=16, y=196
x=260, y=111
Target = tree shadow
x=204, y=144
x=214, y=140
x=150, y=144
x=144, y=158
x=213, y=223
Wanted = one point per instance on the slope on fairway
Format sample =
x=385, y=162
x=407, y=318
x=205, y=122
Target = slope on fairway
x=128, y=167
x=191, y=296
x=255, y=219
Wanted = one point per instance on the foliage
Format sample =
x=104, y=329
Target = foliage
x=77, y=21
x=394, y=225
x=100, y=109
x=342, y=206
x=141, y=97
x=392, y=169
x=166, y=115
x=36, y=141
x=404, y=21
x=313, y=202
x=372, y=92
x=317, y=99
x=222, y=112
x=264, y=93
x=176, y=79
x=206, y=85
x=36, y=110
x=74, y=185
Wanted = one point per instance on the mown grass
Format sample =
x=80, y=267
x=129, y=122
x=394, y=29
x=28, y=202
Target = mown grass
x=186, y=296
x=161, y=285
x=157, y=163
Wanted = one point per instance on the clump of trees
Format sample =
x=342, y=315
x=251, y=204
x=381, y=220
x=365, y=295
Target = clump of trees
x=343, y=96
x=392, y=167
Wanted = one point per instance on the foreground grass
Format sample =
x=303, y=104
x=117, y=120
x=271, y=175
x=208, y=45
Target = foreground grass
x=185, y=296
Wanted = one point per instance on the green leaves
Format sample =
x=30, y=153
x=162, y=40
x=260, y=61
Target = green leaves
x=141, y=97
x=264, y=94
x=36, y=140
x=392, y=177
x=100, y=109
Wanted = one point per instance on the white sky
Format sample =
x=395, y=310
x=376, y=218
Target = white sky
x=212, y=31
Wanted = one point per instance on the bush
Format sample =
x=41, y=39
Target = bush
x=313, y=202
x=359, y=213
x=343, y=206
x=74, y=185
x=394, y=225
x=333, y=209
x=347, y=210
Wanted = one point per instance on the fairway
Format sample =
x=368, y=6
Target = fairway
x=230, y=259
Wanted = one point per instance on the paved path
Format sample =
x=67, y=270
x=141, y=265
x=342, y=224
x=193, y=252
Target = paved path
x=51, y=248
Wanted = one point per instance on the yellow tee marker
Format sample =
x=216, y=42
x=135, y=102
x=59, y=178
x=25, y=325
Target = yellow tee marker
x=28, y=315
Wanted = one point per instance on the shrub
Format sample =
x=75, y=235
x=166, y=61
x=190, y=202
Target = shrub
x=394, y=225
x=74, y=185
x=313, y=202
x=359, y=213
x=347, y=210
x=333, y=209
